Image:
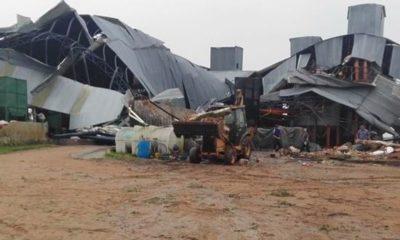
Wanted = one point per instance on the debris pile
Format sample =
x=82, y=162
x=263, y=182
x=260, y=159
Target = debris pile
x=377, y=151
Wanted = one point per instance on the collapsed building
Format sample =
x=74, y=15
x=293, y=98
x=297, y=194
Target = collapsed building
x=77, y=68
x=332, y=86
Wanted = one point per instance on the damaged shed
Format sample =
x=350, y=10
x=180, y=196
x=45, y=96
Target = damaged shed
x=332, y=86
x=82, y=65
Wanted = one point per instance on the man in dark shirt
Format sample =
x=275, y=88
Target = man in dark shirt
x=306, y=142
x=362, y=134
x=276, y=136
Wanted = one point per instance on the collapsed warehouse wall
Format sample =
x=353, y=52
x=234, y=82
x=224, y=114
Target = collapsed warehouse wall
x=105, y=54
x=85, y=104
x=355, y=72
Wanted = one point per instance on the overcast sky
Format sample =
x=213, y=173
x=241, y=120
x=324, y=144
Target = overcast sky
x=190, y=27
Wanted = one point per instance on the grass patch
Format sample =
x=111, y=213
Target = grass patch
x=281, y=193
x=327, y=228
x=119, y=156
x=285, y=204
x=234, y=195
x=254, y=226
x=155, y=200
x=195, y=185
x=4, y=149
x=131, y=189
x=168, y=200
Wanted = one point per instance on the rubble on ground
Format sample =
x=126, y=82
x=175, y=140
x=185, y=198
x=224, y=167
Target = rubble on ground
x=378, y=151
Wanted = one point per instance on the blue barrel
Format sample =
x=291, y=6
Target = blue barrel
x=144, y=149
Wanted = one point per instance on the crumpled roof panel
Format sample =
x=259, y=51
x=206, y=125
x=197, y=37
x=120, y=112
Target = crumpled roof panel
x=23, y=24
x=231, y=75
x=126, y=57
x=157, y=68
x=84, y=103
x=369, y=47
x=274, y=79
x=377, y=105
x=395, y=63
x=329, y=52
x=199, y=84
x=142, y=39
x=60, y=10
x=92, y=111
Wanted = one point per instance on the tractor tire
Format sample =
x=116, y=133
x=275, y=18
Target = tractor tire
x=246, y=148
x=230, y=156
x=194, y=155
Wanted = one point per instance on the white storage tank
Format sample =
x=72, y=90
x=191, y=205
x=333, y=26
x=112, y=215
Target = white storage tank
x=123, y=139
x=163, y=136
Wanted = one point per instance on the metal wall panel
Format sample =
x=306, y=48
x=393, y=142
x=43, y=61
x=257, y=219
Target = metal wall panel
x=369, y=47
x=276, y=77
x=226, y=58
x=366, y=18
x=329, y=52
x=92, y=110
x=301, y=43
x=394, y=70
x=304, y=59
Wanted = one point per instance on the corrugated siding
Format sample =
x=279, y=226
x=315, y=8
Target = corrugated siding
x=369, y=47
x=329, y=52
x=277, y=76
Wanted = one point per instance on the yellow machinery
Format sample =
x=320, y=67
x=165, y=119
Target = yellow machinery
x=221, y=133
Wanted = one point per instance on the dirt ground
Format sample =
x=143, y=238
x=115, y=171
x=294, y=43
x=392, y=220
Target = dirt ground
x=46, y=194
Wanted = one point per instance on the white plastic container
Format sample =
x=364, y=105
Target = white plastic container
x=123, y=139
x=164, y=136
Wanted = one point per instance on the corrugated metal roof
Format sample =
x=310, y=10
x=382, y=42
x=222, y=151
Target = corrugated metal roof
x=276, y=77
x=300, y=43
x=328, y=53
x=150, y=62
x=369, y=47
x=395, y=62
x=157, y=68
x=377, y=105
x=231, y=75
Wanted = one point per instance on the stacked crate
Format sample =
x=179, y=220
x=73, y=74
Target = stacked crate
x=13, y=99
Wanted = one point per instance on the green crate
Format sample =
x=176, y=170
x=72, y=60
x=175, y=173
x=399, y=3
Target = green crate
x=11, y=85
x=3, y=100
x=17, y=114
x=22, y=101
x=11, y=100
x=3, y=84
x=22, y=87
x=8, y=100
x=54, y=120
x=3, y=113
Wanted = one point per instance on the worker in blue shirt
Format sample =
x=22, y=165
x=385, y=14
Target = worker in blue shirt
x=276, y=137
x=362, y=134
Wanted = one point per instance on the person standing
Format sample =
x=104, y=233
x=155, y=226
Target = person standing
x=362, y=134
x=306, y=142
x=361, y=137
x=276, y=137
